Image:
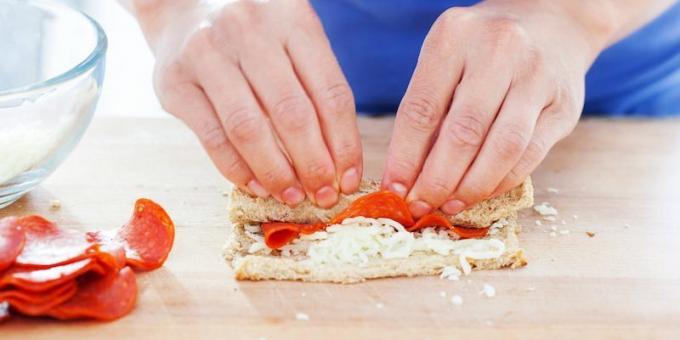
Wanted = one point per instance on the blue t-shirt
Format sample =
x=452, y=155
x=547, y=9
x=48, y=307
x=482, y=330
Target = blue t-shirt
x=377, y=44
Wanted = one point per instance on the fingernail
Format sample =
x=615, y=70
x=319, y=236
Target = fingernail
x=326, y=196
x=419, y=208
x=452, y=207
x=398, y=189
x=256, y=188
x=293, y=196
x=349, y=181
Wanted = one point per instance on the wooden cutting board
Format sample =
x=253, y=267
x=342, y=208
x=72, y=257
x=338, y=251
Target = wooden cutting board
x=617, y=179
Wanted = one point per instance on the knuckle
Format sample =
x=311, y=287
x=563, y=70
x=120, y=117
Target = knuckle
x=291, y=114
x=338, y=99
x=452, y=17
x=242, y=126
x=402, y=167
x=306, y=16
x=234, y=170
x=534, y=153
x=421, y=113
x=510, y=142
x=275, y=178
x=467, y=129
x=348, y=152
x=508, y=30
x=438, y=187
x=212, y=136
x=318, y=171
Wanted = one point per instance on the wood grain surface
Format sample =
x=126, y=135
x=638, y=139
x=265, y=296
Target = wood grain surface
x=619, y=179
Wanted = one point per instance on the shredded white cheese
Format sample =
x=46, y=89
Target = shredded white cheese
x=301, y=316
x=488, y=290
x=457, y=300
x=545, y=209
x=553, y=190
x=32, y=130
x=357, y=240
x=450, y=273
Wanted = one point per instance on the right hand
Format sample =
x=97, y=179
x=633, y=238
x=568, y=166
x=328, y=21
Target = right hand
x=258, y=83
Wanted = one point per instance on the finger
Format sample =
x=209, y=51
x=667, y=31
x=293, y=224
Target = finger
x=552, y=126
x=325, y=83
x=421, y=111
x=476, y=102
x=188, y=102
x=293, y=117
x=246, y=126
x=504, y=145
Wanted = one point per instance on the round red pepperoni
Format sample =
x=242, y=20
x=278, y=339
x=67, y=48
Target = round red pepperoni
x=381, y=204
x=104, y=297
x=12, y=239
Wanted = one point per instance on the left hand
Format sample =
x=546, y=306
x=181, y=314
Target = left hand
x=495, y=87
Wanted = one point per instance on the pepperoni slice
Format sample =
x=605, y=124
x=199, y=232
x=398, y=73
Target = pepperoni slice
x=471, y=232
x=48, y=246
x=277, y=235
x=436, y=220
x=12, y=239
x=147, y=238
x=40, y=298
x=40, y=280
x=39, y=304
x=381, y=204
x=306, y=229
x=105, y=297
x=430, y=220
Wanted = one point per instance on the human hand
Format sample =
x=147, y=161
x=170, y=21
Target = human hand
x=259, y=85
x=495, y=87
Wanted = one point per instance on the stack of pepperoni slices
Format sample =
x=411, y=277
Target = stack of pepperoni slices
x=67, y=274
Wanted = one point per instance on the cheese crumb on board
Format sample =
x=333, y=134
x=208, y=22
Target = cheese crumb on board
x=564, y=232
x=538, y=223
x=457, y=300
x=450, y=273
x=379, y=305
x=550, y=218
x=301, y=316
x=553, y=190
x=545, y=209
x=488, y=290
x=55, y=204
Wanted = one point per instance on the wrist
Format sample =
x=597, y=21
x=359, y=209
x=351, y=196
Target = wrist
x=597, y=20
x=156, y=16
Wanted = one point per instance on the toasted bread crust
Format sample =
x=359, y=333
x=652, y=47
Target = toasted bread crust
x=247, y=209
x=269, y=267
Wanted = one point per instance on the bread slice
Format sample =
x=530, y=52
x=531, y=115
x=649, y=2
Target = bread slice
x=247, y=209
x=262, y=266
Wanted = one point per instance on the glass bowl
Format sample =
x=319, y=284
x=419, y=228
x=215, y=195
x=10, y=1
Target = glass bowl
x=51, y=72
